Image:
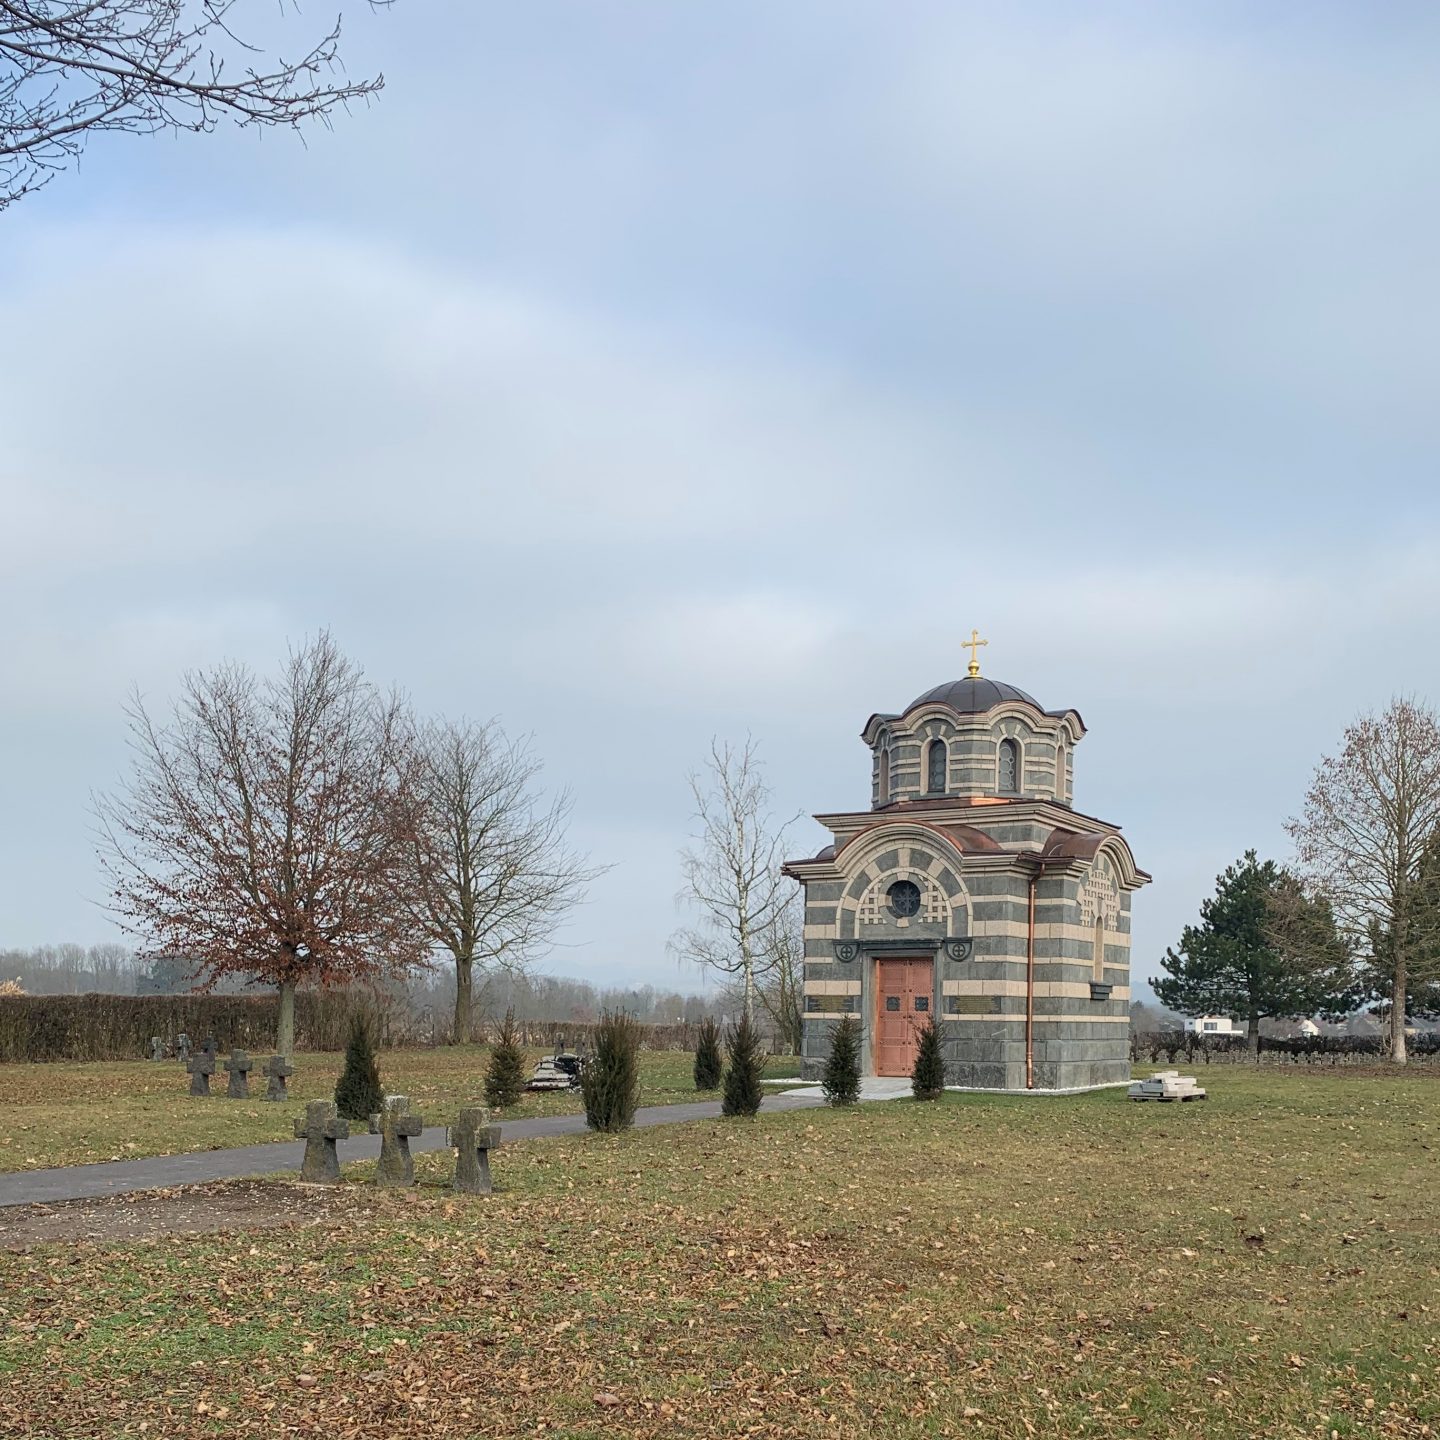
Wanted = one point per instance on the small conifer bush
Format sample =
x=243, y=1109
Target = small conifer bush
x=358, y=1093
x=927, y=1079
x=840, y=1084
x=709, y=1065
x=742, y=1076
x=505, y=1074
x=610, y=1079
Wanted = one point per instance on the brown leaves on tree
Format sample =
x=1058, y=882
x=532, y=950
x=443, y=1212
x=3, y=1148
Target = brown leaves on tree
x=264, y=827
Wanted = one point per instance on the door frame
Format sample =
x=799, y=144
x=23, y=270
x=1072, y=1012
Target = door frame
x=921, y=954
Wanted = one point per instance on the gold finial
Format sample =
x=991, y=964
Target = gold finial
x=973, y=645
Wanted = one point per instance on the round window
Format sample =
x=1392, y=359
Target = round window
x=904, y=898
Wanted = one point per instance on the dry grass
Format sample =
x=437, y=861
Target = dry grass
x=1264, y=1264
x=73, y=1114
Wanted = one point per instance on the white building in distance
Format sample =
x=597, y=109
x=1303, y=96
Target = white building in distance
x=1213, y=1025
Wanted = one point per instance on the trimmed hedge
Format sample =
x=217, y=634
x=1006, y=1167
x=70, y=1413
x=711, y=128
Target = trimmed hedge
x=1168, y=1046
x=119, y=1027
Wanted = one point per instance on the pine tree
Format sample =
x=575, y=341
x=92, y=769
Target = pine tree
x=1263, y=947
x=840, y=1084
x=610, y=1080
x=927, y=1079
x=709, y=1064
x=742, y=1078
x=358, y=1092
x=505, y=1074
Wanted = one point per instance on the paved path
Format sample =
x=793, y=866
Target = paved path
x=122, y=1177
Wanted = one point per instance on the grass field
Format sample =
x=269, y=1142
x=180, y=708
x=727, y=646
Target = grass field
x=68, y=1114
x=1263, y=1264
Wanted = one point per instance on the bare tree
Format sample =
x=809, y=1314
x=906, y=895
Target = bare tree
x=1363, y=837
x=732, y=871
x=112, y=969
x=782, y=989
x=70, y=68
x=494, y=873
x=265, y=829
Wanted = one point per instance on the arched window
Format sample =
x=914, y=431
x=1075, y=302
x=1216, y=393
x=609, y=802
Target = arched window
x=884, y=791
x=1009, y=767
x=1099, y=950
x=1060, y=772
x=936, y=765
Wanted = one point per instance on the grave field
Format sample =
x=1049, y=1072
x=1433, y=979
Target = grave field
x=75, y=1114
x=1264, y=1263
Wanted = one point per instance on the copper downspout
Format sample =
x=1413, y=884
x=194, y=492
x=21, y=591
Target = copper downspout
x=1030, y=995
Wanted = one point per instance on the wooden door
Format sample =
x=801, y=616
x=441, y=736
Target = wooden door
x=903, y=991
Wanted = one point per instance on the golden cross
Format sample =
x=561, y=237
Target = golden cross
x=973, y=645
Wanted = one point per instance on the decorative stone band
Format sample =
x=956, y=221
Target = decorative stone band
x=1040, y=1020
x=1044, y=989
x=956, y=947
x=1019, y=929
x=845, y=951
x=832, y=987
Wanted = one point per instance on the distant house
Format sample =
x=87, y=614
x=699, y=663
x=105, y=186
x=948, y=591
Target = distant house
x=1213, y=1025
x=1308, y=1028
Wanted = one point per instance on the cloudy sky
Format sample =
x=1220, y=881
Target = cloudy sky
x=643, y=372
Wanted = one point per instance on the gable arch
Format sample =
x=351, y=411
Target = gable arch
x=903, y=851
x=1100, y=893
x=1117, y=851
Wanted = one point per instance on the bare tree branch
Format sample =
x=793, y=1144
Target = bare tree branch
x=732, y=871
x=494, y=873
x=68, y=70
x=1365, y=838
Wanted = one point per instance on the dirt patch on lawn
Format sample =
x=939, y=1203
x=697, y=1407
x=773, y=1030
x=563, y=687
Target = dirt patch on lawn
x=187, y=1210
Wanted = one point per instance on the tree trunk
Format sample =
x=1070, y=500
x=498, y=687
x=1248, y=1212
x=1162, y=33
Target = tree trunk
x=285, y=1030
x=747, y=969
x=1252, y=1036
x=464, y=999
x=1397, y=1013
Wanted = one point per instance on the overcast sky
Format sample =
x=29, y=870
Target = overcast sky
x=637, y=373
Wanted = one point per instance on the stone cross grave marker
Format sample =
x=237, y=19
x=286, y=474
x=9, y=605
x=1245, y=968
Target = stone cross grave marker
x=320, y=1129
x=473, y=1137
x=238, y=1067
x=201, y=1068
x=275, y=1071
x=157, y=1048
x=182, y=1047
x=210, y=1047
x=395, y=1124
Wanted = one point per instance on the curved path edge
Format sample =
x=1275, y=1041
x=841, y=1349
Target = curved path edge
x=198, y=1167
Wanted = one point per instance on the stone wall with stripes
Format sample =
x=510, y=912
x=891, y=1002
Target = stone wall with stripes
x=1081, y=1030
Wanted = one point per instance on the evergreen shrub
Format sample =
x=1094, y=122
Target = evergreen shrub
x=840, y=1084
x=610, y=1079
x=927, y=1078
x=505, y=1074
x=358, y=1093
x=709, y=1064
x=742, y=1077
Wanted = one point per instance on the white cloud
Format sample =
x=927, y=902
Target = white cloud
x=287, y=391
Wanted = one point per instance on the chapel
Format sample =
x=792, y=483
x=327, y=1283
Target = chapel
x=971, y=889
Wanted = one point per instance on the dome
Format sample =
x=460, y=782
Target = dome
x=973, y=696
